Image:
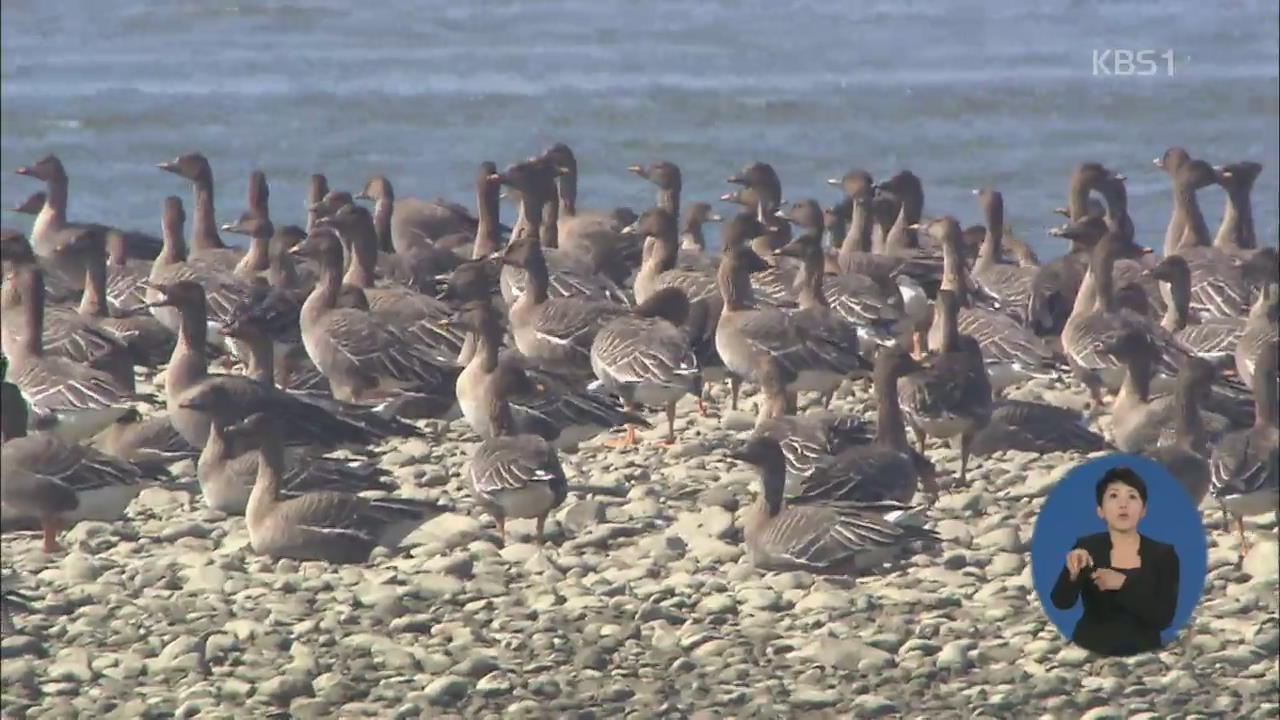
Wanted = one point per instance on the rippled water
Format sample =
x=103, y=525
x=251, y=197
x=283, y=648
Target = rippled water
x=964, y=94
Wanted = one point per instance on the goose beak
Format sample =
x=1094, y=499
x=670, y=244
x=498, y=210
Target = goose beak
x=714, y=218
x=638, y=170
x=833, y=181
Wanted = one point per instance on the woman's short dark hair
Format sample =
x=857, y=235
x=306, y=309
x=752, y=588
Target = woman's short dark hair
x=1123, y=475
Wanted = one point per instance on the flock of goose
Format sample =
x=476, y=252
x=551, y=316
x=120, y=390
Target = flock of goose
x=575, y=322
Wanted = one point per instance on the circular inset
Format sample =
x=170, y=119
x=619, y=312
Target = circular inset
x=1137, y=545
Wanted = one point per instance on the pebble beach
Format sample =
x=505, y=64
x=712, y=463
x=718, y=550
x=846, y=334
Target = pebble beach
x=640, y=605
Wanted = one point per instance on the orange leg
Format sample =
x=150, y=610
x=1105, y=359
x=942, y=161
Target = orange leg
x=918, y=344
x=1244, y=541
x=627, y=440
x=702, y=407
x=502, y=531
x=50, y=525
x=671, y=424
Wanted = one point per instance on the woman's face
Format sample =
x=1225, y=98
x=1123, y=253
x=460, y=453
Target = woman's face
x=1122, y=507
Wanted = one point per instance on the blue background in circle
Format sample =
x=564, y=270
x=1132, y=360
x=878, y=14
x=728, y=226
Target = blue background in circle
x=1070, y=512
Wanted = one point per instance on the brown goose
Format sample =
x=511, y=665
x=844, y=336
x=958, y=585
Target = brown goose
x=406, y=225
x=148, y=442
x=814, y=532
x=205, y=243
x=1012, y=352
x=257, y=259
x=270, y=360
x=331, y=526
x=224, y=291
x=1008, y=285
x=594, y=235
x=54, y=483
x=646, y=357
x=1259, y=331
x=553, y=331
x=1245, y=464
x=950, y=396
x=542, y=402
x=1236, y=234
x=1186, y=456
x=317, y=188
x=1035, y=427
x=1171, y=161
x=1213, y=338
x=1218, y=287
x=420, y=317
x=59, y=287
x=227, y=468
x=188, y=379
x=50, y=384
x=515, y=475
x=148, y=341
x=366, y=359
x=67, y=334
x=807, y=440
x=569, y=274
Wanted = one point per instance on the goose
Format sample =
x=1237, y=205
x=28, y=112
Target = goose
x=950, y=395
x=224, y=291
x=553, y=331
x=148, y=341
x=1186, y=456
x=407, y=226
x=227, y=468
x=259, y=228
x=1139, y=419
x=205, y=243
x=1013, y=353
x=1245, y=464
x=1095, y=319
x=419, y=316
x=1036, y=427
x=188, y=379
x=1131, y=266
x=51, y=220
x=813, y=532
x=1171, y=162
x=801, y=342
x=52, y=385
x=887, y=468
x=67, y=334
x=317, y=189
x=692, y=240
x=1009, y=285
x=56, y=483
x=1218, y=287
x=1056, y=285
x=542, y=402
x=568, y=274
x=806, y=440
x=366, y=359
x=1213, y=338
x=594, y=235
x=1236, y=234
x=1260, y=330
x=60, y=288
x=873, y=306
x=332, y=526
x=515, y=475
x=285, y=365
x=669, y=181
x=646, y=357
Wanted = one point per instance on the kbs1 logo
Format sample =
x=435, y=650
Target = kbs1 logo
x=1121, y=63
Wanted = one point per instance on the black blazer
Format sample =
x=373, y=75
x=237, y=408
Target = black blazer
x=1128, y=620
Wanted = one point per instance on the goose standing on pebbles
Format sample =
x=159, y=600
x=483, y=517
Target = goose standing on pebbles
x=813, y=532
x=515, y=475
x=332, y=526
x=1218, y=287
x=950, y=396
x=1245, y=465
x=366, y=360
x=1009, y=285
x=818, y=361
x=541, y=402
x=557, y=332
x=646, y=357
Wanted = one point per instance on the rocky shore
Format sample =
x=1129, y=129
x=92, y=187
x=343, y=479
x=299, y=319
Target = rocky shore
x=641, y=605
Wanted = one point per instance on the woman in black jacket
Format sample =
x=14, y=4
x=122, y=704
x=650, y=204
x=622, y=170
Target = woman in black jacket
x=1128, y=582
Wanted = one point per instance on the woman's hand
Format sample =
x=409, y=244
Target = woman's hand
x=1077, y=560
x=1108, y=579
